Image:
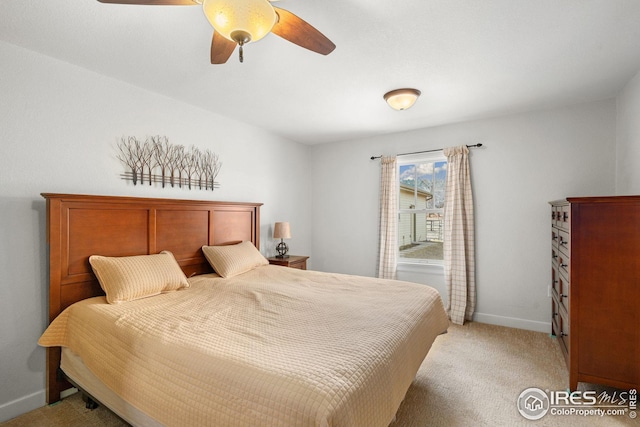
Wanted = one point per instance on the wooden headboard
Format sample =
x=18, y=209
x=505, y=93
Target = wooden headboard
x=79, y=226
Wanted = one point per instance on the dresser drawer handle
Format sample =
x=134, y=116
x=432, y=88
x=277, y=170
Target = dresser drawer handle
x=554, y=256
x=564, y=265
x=562, y=334
x=564, y=296
x=564, y=242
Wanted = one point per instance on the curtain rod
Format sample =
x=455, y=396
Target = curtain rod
x=426, y=151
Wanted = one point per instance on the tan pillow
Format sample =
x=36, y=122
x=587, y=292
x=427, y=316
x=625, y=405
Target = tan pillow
x=231, y=260
x=133, y=277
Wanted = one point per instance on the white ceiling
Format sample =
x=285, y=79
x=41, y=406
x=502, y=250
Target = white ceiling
x=470, y=58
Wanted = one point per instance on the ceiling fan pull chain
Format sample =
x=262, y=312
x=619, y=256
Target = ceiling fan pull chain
x=241, y=37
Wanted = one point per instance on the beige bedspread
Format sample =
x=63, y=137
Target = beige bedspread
x=272, y=347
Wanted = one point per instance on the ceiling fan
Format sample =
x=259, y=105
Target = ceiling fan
x=238, y=22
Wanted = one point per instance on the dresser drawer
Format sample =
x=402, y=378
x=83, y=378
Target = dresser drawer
x=557, y=216
x=563, y=334
x=565, y=218
x=564, y=265
x=292, y=261
x=555, y=281
x=554, y=216
x=555, y=314
x=564, y=292
x=301, y=265
x=564, y=242
x=555, y=237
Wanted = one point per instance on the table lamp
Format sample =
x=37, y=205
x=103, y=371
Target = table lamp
x=282, y=231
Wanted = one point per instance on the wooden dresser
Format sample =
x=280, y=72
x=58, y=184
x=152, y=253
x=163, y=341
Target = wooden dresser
x=595, y=288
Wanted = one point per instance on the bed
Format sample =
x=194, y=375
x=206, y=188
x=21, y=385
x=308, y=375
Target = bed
x=265, y=345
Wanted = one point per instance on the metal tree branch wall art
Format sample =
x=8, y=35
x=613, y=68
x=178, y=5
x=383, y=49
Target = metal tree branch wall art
x=156, y=160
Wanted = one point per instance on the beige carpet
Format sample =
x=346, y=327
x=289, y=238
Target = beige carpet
x=472, y=376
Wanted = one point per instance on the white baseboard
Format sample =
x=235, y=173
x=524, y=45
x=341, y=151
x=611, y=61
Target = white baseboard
x=22, y=405
x=68, y=392
x=28, y=403
x=512, y=322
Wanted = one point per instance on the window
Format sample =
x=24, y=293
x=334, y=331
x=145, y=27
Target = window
x=421, y=209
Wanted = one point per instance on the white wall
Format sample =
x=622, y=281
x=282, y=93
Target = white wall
x=628, y=139
x=58, y=127
x=528, y=160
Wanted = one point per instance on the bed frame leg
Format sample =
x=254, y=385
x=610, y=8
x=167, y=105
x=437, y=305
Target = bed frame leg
x=89, y=403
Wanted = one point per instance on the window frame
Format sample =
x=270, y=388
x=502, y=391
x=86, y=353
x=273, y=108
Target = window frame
x=432, y=157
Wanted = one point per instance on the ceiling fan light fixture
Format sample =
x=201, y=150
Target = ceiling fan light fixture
x=402, y=99
x=254, y=18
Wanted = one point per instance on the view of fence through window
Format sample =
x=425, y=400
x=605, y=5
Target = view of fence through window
x=421, y=210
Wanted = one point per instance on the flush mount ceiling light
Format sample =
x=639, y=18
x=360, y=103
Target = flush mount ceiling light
x=401, y=99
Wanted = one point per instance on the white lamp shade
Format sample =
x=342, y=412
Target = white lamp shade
x=401, y=99
x=254, y=17
x=282, y=230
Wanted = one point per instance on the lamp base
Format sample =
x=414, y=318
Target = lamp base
x=282, y=249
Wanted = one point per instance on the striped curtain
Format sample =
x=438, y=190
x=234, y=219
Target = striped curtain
x=388, y=231
x=459, y=250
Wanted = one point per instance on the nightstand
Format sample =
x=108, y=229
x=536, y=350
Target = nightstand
x=293, y=261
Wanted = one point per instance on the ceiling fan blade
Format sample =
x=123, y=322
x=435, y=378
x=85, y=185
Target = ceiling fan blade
x=221, y=48
x=153, y=2
x=300, y=32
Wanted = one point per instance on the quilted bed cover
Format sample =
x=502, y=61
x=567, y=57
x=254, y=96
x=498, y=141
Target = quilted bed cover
x=271, y=347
